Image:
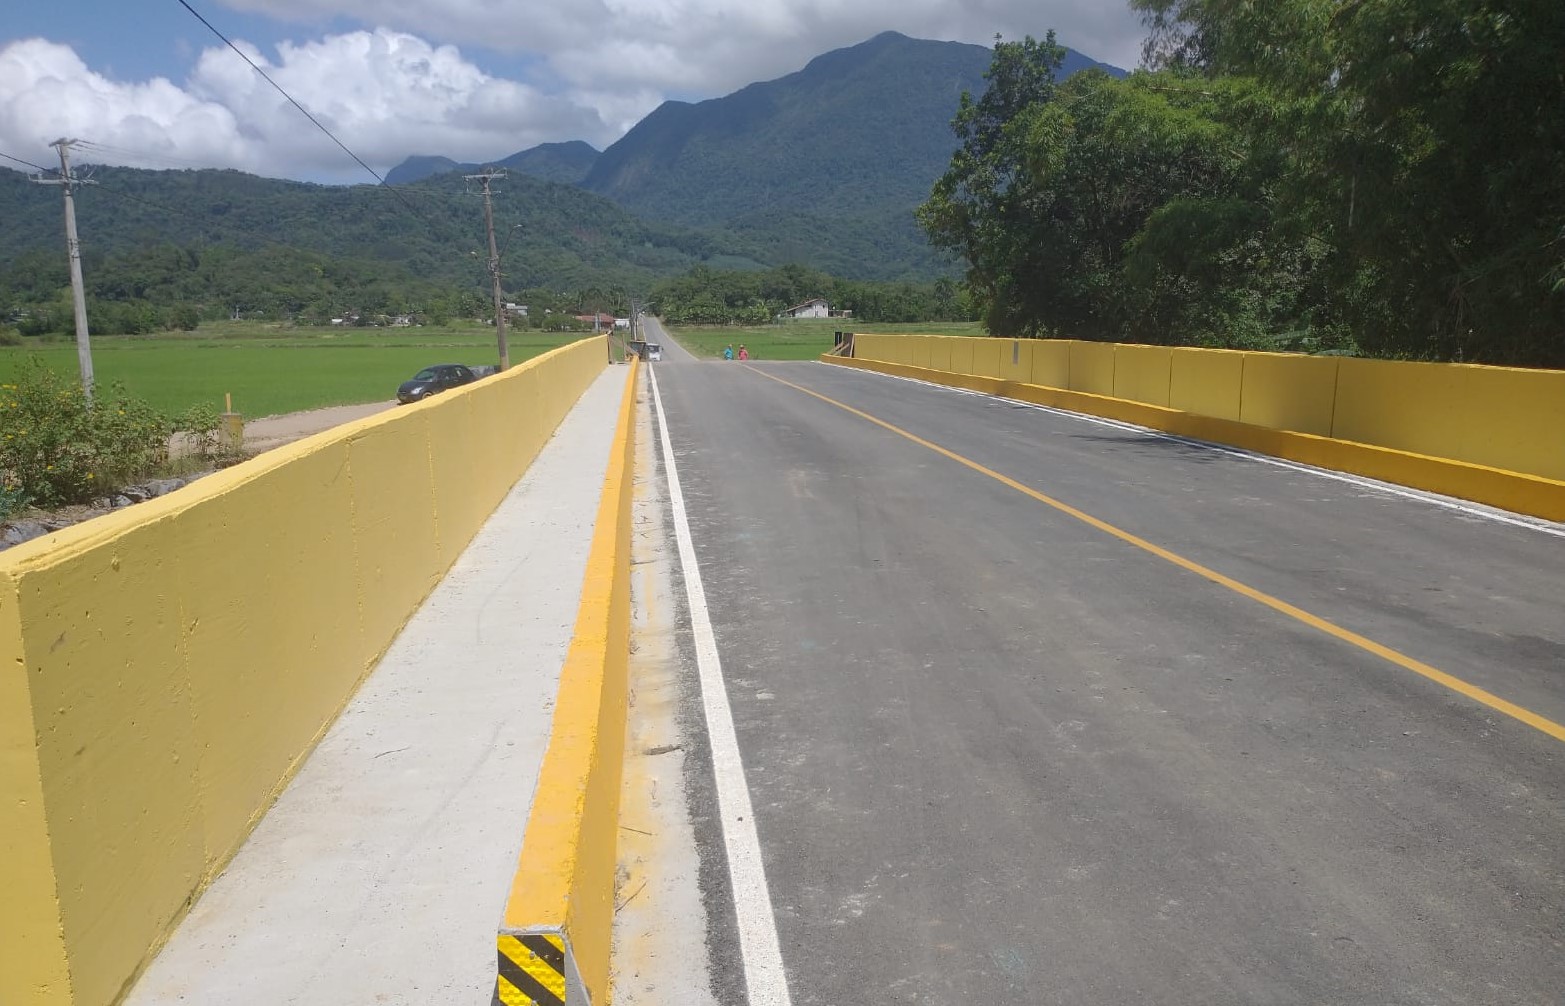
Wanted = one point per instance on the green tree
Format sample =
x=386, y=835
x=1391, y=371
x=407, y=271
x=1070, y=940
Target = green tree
x=976, y=209
x=1424, y=153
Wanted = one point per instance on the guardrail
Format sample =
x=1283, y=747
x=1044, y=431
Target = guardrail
x=1487, y=434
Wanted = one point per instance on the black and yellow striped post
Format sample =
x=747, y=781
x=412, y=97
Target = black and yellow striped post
x=534, y=970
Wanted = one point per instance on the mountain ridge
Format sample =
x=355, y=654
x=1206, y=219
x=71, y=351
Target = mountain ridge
x=566, y=163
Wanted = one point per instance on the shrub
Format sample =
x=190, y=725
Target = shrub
x=56, y=448
x=202, y=426
x=10, y=336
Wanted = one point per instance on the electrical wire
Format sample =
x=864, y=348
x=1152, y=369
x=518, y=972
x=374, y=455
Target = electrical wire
x=30, y=164
x=145, y=155
x=304, y=111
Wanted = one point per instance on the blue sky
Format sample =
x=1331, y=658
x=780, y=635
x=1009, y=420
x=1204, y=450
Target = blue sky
x=472, y=79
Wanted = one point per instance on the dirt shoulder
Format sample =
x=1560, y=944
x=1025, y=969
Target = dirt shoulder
x=274, y=431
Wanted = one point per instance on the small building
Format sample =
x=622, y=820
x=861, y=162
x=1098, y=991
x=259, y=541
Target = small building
x=817, y=308
x=621, y=322
x=596, y=320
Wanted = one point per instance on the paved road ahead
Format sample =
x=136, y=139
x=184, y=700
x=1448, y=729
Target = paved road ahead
x=998, y=755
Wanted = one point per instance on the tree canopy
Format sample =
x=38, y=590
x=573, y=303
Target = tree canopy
x=1385, y=177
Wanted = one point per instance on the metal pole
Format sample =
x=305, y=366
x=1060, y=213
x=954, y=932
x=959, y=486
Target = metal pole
x=73, y=247
x=494, y=270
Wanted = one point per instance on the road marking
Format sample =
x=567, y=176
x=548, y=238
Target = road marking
x=763, y=967
x=1450, y=681
x=1445, y=502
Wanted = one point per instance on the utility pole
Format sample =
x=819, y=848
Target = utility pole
x=73, y=247
x=494, y=265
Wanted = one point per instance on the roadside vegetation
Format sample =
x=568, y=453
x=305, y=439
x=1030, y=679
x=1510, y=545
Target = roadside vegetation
x=798, y=340
x=707, y=296
x=58, y=449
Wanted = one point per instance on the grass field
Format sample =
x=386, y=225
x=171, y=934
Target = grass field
x=271, y=369
x=800, y=340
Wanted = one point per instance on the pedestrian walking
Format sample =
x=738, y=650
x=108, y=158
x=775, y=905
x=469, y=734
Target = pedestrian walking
x=728, y=354
x=744, y=354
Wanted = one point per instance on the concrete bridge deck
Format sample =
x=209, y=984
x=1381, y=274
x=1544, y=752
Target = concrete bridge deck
x=380, y=874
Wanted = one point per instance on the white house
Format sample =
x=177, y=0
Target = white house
x=817, y=308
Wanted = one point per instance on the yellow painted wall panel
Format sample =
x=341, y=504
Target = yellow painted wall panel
x=1418, y=407
x=1092, y=367
x=986, y=356
x=1287, y=392
x=1206, y=382
x=395, y=532
x=1142, y=373
x=921, y=350
x=1016, y=360
x=33, y=967
x=273, y=644
x=1515, y=420
x=100, y=630
x=1051, y=366
x=454, y=455
x=962, y=356
x=940, y=354
x=867, y=346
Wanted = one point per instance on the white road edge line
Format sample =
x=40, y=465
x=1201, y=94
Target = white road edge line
x=765, y=980
x=1434, y=499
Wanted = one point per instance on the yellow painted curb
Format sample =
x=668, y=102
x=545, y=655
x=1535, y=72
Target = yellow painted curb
x=554, y=938
x=1514, y=491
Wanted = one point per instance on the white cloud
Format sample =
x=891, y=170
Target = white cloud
x=598, y=66
x=385, y=94
x=711, y=47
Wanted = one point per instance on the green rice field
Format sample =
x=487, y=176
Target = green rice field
x=800, y=340
x=271, y=369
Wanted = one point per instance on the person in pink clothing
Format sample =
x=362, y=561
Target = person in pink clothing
x=744, y=354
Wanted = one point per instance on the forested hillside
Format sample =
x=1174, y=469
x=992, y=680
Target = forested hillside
x=824, y=166
x=433, y=229
x=1383, y=178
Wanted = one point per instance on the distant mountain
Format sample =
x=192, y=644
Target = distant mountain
x=858, y=132
x=824, y=166
x=421, y=166
x=566, y=163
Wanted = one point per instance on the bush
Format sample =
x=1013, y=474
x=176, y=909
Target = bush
x=10, y=336
x=202, y=428
x=56, y=448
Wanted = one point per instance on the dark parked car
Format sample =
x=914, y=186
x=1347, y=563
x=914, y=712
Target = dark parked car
x=434, y=380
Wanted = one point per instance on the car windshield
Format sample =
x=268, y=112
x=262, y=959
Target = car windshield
x=427, y=374
x=653, y=347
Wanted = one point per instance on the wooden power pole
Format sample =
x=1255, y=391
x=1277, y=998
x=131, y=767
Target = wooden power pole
x=494, y=265
x=73, y=247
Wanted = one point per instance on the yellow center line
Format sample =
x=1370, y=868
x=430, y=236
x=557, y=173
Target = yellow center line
x=1402, y=660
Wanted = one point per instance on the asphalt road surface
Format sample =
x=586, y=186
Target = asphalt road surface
x=1200, y=752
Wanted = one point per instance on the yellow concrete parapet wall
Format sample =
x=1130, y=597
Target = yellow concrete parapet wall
x=167, y=668
x=1461, y=430
x=563, y=889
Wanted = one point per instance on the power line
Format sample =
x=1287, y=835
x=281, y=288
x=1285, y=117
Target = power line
x=285, y=94
x=145, y=155
x=304, y=111
x=19, y=160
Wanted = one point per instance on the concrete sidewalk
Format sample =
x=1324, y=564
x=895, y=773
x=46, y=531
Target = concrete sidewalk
x=380, y=874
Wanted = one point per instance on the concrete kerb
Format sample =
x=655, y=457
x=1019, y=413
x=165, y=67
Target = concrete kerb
x=1513, y=491
x=554, y=940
